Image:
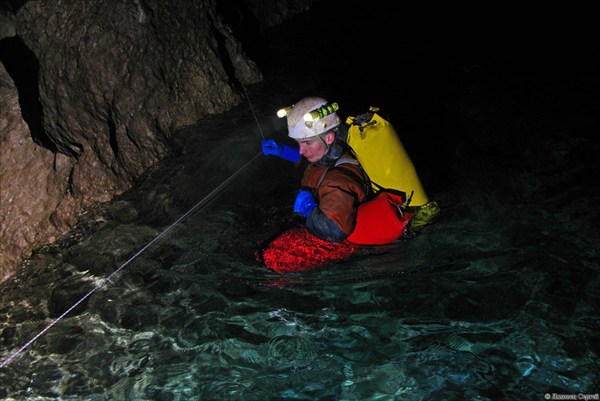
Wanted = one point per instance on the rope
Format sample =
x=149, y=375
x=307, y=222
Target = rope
x=131, y=259
x=253, y=113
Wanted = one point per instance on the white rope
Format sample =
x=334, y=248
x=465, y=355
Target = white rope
x=131, y=259
x=253, y=113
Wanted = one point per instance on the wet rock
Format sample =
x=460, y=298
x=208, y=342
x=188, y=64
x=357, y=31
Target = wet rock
x=92, y=93
x=7, y=22
x=32, y=185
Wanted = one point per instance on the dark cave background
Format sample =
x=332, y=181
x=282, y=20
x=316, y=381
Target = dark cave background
x=411, y=62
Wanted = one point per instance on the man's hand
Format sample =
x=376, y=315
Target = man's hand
x=305, y=203
x=270, y=147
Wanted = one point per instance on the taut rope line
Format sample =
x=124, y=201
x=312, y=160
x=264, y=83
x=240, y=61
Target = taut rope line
x=253, y=113
x=203, y=202
x=131, y=259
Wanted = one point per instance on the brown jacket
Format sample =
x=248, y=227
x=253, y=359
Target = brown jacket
x=338, y=191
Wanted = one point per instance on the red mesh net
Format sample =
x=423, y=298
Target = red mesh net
x=299, y=250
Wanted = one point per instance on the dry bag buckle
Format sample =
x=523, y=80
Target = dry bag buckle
x=400, y=211
x=407, y=201
x=363, y=121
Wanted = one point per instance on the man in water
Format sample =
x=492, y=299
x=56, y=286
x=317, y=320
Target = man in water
x=334, y=183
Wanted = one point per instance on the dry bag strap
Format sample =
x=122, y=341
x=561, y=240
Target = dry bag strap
x=341, y=160
x=406, y=199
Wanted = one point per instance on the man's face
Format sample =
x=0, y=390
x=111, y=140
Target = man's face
x=314, y=148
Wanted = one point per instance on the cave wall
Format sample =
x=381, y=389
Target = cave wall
x=90, y=93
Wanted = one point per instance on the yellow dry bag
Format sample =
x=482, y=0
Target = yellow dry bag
x=382, y=155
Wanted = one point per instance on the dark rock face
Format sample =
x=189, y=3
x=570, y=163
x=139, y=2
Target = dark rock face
x=90, y=93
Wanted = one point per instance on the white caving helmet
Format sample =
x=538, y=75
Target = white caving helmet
x=310, y=117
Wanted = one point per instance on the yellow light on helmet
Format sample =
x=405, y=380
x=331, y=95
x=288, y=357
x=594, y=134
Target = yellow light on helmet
x=321, y=112
x=284, y=111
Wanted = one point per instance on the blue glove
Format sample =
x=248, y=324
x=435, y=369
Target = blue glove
x=304, y=203
x=270, y=147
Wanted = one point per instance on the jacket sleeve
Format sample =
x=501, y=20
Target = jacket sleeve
x=339, y=195
x=323, y=227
